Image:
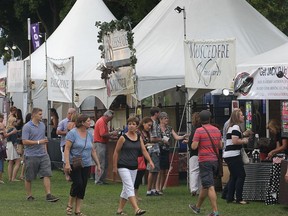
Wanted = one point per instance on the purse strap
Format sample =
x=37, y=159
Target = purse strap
x=213, y=146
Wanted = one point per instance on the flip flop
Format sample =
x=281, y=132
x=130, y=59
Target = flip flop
x=140, y=212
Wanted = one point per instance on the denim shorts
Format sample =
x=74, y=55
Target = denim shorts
x=208, y=170
x=155, y=158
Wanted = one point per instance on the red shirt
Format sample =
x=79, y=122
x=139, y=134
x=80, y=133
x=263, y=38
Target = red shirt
x=100, y=129
x=205, y=148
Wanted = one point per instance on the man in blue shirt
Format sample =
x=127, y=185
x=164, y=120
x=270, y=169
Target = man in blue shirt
x=37, y=160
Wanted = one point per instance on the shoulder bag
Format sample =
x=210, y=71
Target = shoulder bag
x=220, y=161
x=77, y=160
x=244, y=156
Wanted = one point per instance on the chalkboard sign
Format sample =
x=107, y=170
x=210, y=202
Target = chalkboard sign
x=284, y=118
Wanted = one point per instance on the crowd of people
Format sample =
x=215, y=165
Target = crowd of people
x=143, y=146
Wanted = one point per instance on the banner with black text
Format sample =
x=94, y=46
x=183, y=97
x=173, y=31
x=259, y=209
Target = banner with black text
x=209, y=64
x=267, y=83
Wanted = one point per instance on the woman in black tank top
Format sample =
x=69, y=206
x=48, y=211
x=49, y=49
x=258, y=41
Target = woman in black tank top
x=125, y=163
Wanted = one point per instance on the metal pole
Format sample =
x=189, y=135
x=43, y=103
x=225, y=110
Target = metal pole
x=184, y=18
x=73, y=92
x=29, y=92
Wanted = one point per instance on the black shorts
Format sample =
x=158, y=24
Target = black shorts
x=164, y=160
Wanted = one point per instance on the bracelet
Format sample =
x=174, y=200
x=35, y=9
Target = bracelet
x=38, y=142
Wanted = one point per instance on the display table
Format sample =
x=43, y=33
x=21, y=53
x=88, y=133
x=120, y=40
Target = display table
x=256, y=181
x=110, y=148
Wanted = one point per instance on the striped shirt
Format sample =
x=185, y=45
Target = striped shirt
x=232, y=150
x=205, y=149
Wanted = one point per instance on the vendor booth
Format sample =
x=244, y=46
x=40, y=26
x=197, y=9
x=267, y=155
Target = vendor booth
x=263, y=80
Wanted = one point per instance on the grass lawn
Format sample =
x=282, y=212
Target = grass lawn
x=103, y=200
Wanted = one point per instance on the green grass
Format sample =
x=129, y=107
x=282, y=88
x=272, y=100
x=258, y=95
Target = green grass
x=103, y=200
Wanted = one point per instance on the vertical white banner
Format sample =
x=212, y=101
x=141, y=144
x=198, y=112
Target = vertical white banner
x=59, y=79
x=15, y=76
x=209, y=64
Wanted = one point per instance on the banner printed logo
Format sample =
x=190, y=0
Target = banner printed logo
x=206, y=70
x=59, y=70
x=243, y=83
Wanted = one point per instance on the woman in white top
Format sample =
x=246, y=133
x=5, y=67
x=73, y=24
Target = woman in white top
x=231, y=155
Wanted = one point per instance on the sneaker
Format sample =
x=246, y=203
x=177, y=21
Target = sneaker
x=99, y=183
x=159, y=193
x=194, y=209
x=213, y=214
x=30, y=198
x=51, y=198
x=2, y=182
x=150, y=194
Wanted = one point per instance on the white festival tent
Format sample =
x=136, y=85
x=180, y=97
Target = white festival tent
x=277, y=56
x=159, y=38
x=77, y=36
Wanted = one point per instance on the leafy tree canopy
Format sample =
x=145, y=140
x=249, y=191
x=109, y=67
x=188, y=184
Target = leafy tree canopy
x=14, y=14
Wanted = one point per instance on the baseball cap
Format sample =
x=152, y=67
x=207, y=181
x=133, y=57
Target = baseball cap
x=205, y=115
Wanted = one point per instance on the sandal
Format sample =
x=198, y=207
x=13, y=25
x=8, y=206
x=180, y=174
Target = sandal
x=79, y=214
x=140, y=212
x=121, y=213
x=69, y=210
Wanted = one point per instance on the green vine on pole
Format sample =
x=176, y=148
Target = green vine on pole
x=105, y=29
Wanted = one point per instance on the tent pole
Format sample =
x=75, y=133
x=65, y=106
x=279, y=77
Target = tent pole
x=73, y=91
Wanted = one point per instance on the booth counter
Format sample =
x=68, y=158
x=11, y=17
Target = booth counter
x=256, y=181
x=110, y=148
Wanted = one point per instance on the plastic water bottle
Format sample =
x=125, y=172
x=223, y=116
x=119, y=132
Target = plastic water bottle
x=256, y=156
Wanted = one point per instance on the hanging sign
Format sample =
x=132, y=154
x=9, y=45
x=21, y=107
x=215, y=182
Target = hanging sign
x=15, y=76
x=121, y=82
x=2, y=86
x=209, y=64
x=59, y=79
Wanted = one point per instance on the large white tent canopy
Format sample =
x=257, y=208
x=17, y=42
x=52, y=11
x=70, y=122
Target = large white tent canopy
x=159, y=38
x=77, y=36
x=277, y=56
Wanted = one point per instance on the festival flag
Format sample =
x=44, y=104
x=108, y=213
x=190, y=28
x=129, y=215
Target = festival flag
x=35, y=35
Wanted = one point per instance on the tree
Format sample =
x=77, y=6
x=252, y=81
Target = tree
x=276, y=11
x=14, y=14
x=13, y=20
